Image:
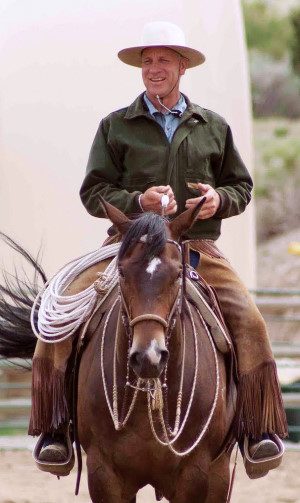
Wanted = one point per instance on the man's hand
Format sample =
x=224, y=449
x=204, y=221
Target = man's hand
x=211, y=204
x=151, y=200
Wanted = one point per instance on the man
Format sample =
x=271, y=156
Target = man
x=164, y=144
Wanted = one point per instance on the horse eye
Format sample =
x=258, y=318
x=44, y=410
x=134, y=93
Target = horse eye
x=121, y=273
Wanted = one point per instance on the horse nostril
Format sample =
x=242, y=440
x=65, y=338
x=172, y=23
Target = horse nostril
x=135, y=359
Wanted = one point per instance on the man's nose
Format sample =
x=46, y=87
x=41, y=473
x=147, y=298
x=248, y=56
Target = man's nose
x=154, y=68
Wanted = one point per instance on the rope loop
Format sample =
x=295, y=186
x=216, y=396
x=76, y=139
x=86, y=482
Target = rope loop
x=60, y=315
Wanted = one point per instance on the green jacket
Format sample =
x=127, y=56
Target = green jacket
x=131, y=153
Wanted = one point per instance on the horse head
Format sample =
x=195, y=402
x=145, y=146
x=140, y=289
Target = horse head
x=150, y=264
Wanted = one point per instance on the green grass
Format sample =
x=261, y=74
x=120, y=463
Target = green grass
x=12, y=431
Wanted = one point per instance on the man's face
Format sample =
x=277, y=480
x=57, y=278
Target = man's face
x=161, y=71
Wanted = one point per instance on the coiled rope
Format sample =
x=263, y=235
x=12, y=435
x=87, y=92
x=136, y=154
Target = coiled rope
x=59, y=316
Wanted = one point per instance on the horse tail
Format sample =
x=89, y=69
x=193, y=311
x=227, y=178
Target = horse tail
x=17, y=296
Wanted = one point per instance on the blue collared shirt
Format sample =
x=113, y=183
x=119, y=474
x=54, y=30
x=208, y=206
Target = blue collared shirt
x=169, y=122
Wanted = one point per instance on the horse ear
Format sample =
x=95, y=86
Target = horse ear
x=185, y=220
x=117, y=217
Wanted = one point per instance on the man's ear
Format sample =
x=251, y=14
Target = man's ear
x=117, y=217
x=185, y=220
x=183, y=65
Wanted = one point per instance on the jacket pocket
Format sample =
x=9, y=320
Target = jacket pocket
x=138, y=182
x=199, y=169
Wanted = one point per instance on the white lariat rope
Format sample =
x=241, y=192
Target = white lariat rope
x=167, y=441
x=153, y=388
x=59, y=315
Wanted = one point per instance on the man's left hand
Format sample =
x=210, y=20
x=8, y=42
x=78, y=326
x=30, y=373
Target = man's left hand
x=211, y=204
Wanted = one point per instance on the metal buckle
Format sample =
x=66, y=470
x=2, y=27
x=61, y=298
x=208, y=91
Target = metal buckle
x=194, y=275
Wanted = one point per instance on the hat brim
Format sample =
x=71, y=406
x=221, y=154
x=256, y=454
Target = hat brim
x=133, y=55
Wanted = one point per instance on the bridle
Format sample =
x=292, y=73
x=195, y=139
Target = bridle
x=177, y=306
x=157, y=389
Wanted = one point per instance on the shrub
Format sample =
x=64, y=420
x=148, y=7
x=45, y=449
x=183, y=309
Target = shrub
x=294, y=43
x=263, y=26
x=275, y=89
x=280, y=131
x=277, y=184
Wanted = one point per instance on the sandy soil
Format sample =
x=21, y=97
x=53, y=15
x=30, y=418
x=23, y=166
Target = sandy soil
x=21, y=482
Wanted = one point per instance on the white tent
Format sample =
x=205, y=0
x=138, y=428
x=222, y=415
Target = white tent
x=60, y=75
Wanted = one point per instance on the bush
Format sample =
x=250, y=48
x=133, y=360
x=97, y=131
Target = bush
x=277, y=184
x=263, y=26
x=280, y=131
x=275, y=89
x=295, y=40
x=273, y=41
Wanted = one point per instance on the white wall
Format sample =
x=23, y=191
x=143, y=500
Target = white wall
x=60, y=75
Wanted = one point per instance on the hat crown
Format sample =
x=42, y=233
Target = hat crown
x=162, y=33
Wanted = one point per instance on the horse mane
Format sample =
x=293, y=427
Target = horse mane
x=153, y=227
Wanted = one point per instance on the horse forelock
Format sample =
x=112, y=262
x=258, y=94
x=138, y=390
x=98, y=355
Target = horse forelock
x=152, y=228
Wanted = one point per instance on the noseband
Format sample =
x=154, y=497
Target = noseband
x=167, y=324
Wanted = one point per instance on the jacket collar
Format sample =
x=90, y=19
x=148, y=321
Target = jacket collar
x=139, y=108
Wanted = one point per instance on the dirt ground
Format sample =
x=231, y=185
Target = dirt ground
x=21, y=482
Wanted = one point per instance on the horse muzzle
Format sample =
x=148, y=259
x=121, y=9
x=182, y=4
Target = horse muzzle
x=148, y=363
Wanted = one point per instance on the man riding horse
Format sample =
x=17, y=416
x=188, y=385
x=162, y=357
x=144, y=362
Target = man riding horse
x=162, y=144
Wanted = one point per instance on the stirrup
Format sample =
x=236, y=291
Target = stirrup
x=60, y=469
x=257, y=468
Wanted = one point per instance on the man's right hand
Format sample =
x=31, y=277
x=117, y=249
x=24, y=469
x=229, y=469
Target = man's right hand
x=151, y=200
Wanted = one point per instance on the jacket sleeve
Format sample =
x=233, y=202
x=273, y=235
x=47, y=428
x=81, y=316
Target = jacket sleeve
x=235, y=184
x=103, y=177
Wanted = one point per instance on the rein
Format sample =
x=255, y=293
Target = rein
x=155, y=389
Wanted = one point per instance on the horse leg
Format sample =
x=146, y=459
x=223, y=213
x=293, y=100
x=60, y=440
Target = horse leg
x=219, y=479
x=191, y=486
x=104, y=485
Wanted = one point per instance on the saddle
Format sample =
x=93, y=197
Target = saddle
x=205, y=299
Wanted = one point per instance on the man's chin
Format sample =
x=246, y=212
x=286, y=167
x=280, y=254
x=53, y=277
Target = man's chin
x=153, y=91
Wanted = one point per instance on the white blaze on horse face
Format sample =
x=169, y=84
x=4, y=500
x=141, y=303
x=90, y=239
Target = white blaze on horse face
x=152, y=266
x=153, y=355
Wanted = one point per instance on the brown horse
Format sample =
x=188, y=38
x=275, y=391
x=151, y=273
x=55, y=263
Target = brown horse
x=150, y=375
x=155, y=397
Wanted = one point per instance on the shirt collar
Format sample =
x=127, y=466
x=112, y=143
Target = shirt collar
x=180, y=105
x=139, y=108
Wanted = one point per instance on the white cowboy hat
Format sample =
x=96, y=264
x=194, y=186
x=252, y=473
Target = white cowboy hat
x=161, y=34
